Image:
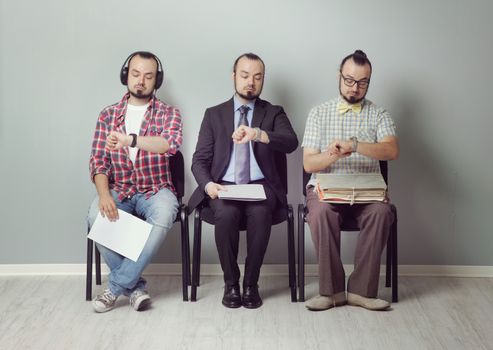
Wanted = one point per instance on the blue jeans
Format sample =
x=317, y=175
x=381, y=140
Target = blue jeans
x=159, y=210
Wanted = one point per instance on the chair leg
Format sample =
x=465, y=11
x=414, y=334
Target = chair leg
x=185, y=253
x=196, y=254
x=388, y=262
x=301, y=253
x=98, y=265
x=395, y=296
x=189, y=264
x=199, y=251
x=89, y=270
x=291, y=255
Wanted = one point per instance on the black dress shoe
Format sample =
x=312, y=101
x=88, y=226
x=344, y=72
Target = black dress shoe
x=251, y=298
x=232, y=296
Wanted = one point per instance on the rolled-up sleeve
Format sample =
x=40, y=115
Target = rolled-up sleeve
x=172, y=130
x=99, y=161
x=385, y=125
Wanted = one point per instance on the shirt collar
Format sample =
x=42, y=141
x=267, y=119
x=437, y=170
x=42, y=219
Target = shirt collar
x=238, y=104
x=121, y=108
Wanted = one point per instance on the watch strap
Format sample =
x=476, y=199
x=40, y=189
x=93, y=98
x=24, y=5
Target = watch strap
x=134, y=140
x=355, y=143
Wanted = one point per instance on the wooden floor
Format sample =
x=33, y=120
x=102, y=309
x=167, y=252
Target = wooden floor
x=433, y=313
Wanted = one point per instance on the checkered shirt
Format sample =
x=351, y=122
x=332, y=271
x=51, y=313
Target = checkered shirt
x=150, y=172
x=326, y=124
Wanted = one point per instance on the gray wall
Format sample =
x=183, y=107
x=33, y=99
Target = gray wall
x=59, y=65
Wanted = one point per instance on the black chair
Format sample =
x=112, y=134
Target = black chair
x=349, y=225
x=177, y=169
x=281, y=214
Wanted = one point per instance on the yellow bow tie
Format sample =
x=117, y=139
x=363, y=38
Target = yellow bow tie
x=343, y=107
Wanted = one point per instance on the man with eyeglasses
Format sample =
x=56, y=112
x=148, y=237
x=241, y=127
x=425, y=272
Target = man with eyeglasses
x=348, y=134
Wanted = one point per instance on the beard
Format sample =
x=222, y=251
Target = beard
x=352, y=99
x=249, y=95
x=140, y=94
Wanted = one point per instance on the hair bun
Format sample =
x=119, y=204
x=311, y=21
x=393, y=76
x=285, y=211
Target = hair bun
x=360, y=53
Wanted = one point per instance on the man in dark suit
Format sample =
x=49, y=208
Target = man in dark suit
x=238, y=143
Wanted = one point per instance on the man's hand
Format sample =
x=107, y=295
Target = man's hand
x=213, y=188
x=117, y=140
x=340, y=148
x=243, y=134
x=107, y=207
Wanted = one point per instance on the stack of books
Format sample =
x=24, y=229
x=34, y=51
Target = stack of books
x=351, y=188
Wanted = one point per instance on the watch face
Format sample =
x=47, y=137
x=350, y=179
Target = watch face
x=355, y=143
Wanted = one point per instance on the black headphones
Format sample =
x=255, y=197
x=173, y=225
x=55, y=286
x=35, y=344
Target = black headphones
x=159, y=74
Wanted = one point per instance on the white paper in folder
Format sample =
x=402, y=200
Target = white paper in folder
x=247, y=192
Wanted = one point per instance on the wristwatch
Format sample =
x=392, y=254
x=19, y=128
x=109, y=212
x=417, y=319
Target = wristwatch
x=355, y=142
x=134, y=140
x=258, y=135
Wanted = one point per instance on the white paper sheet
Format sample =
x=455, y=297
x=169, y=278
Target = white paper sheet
x=248, y=192
x=126, y=236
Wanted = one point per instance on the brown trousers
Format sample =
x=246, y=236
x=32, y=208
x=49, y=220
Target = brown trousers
x=325, y=219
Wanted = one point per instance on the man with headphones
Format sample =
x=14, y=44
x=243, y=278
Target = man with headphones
x=129, y=167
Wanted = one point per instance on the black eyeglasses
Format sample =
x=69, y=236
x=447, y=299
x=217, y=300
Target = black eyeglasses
x=362, y=84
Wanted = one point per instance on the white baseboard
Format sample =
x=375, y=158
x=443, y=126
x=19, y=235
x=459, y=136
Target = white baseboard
x=267, y=270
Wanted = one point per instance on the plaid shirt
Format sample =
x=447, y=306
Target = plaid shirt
x=326, y=124
x=151, y=172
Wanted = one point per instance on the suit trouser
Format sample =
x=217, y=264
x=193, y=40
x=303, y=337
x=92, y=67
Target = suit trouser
x=325, y=219
x=228, y=215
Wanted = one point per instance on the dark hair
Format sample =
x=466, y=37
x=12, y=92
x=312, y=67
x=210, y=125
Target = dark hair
x=250, y=56
x=359, y=57
x=147, y=55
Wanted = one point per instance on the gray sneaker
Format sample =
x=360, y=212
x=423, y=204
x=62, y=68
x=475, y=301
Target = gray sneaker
x=104, y=302
x=140, y=300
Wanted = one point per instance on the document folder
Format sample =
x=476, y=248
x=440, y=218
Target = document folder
x=351, y=188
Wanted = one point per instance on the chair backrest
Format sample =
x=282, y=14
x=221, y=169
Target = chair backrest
x=282, y=168
x=177, y=169
x=383, y=170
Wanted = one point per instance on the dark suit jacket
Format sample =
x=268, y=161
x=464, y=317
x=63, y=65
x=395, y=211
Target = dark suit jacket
x=214, y=146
